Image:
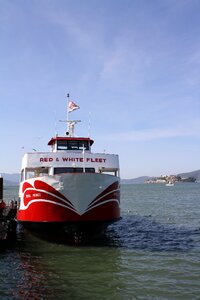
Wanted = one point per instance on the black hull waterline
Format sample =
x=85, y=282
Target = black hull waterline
x=56, y=230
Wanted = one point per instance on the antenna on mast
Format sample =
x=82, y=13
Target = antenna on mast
x=89, y=125
x=55, y=124
x=68, y=112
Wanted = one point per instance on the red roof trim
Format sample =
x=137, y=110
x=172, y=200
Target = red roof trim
x=54, y=139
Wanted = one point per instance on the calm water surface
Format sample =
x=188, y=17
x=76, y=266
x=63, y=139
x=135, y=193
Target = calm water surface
x=152, y=253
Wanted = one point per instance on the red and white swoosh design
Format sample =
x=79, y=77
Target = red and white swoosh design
x=42, y=202
x=110, y=194
x=43, y=192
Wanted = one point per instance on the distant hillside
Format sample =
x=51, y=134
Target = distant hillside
x=142, y=179
x=138, y=180
x=195, y=174
x=10, y=179
x=9, y=183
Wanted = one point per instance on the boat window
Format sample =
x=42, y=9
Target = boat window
x=37, y=172
x=109, y=171
x=41, y=172
x=83, y=145
x=89, y=170
x=30, y=174
x=22, y=175
x=73, y=170
x=62, y=145
x=72, y=145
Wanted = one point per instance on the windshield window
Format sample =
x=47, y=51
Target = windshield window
x=72, y=145
x=73, y=170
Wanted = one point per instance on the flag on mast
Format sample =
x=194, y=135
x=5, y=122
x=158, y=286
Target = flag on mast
x=72, y=106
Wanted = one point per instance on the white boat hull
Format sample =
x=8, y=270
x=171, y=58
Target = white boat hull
x=70, y=199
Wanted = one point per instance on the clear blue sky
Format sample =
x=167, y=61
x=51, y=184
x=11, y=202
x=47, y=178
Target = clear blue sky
x=133, y=64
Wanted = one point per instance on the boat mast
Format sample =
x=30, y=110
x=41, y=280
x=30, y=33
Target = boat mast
x=70, y=123
x=68, y=114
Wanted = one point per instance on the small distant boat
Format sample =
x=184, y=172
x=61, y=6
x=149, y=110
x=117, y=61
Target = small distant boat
x=169, y=183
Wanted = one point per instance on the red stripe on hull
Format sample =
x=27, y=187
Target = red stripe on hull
x=113, y=195
x=40, y=188
x=113, y=186
x=26, y=185
x=47, y=212
x=32, y=194
x=106, y=211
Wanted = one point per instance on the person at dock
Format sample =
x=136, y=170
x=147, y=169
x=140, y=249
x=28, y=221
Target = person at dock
x=2, y=208
x=12, y=210
x=11, y=204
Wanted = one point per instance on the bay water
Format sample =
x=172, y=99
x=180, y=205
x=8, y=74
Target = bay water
x=153, y=252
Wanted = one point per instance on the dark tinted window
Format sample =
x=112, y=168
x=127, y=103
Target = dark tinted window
x=62, y=145
x=73, y=170
x=72, y=145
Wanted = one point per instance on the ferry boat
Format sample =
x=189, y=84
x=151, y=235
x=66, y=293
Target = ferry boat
x=69, y=188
